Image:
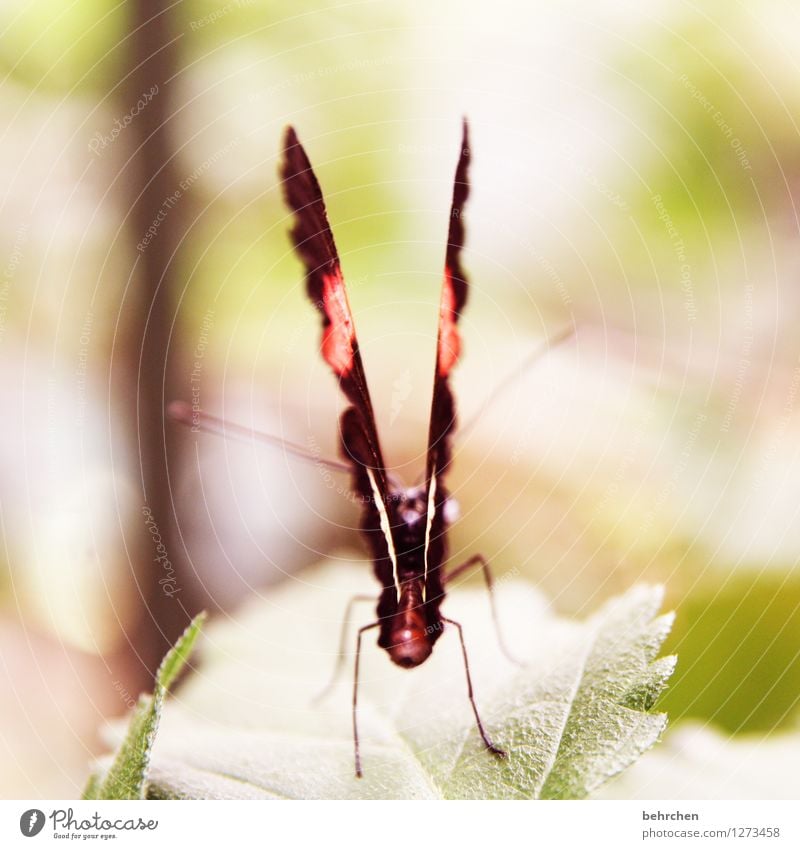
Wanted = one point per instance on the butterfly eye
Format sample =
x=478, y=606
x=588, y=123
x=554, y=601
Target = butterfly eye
x=451, y=511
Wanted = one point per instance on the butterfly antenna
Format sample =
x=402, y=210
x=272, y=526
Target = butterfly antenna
x=541, y=350
x=184, y=414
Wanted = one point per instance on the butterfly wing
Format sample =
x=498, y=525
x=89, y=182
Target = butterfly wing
x=448, y=350
x=316, y=248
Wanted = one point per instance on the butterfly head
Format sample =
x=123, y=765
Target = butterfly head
x=411, y=505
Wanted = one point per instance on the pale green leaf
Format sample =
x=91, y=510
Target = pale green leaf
x=127, y=775
x=243, y=725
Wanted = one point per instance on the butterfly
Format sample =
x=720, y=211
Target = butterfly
x=405, y=529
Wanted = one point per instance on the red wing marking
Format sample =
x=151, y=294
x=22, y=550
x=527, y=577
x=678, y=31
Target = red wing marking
x=339, y=335
x=449, y=337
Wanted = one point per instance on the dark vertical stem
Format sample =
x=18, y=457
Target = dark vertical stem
x=149, y=372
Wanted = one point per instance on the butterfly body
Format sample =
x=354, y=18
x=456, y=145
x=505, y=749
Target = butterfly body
x=410, y=618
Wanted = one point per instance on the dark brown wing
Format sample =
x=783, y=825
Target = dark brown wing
x=448, y=350
x=453, y=299
x=313, y=240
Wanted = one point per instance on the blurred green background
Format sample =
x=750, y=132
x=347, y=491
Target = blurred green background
x=635, y=174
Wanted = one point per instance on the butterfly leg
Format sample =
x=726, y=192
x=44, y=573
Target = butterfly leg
x=340, y=657
x=356, y=746
x=484, y=736
x=487, y=574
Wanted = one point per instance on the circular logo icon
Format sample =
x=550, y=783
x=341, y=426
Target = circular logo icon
x=31, y=822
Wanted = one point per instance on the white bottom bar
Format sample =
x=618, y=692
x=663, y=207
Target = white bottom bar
x=384, y=826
